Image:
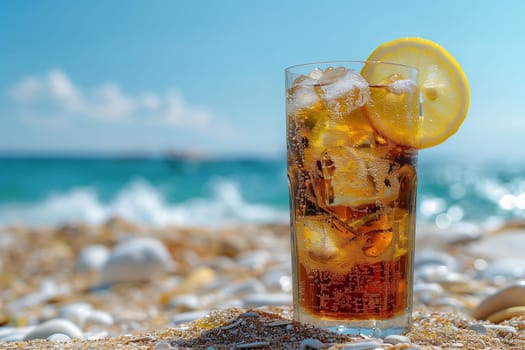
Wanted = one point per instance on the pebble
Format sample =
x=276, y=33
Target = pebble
x=185, y=302
x=362, y=344
x=504, y=245
x=278, y=278
x=189, y=316
x=199, y=278
x=76, y=312
x=396, y=339
x=254, y=259
x=92, y=257
x=427, y=291
x=504, y=298
x=163, y=346
x=311, y=343
x=83, y=315
x=59, y=337
x=137, y=259
x=249, y=286
x=500, y=328
x=432, y=236
x=504, y=270
x=57, y=325
x=270, y=299
x=478, y=328
x=9, y=334
x=506, y=314
x=49, y=289
x=100, y=318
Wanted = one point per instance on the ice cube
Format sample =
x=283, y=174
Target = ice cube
x=347, y=92
x=403, y=86
x=330, y=75
x=301, y=96
x=355, y=177
x=318, y=239
x=316, y=73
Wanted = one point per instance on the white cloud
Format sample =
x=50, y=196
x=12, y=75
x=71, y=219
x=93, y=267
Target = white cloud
x=58, y=95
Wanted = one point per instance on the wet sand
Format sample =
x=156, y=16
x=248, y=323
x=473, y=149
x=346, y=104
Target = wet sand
x=230, y=287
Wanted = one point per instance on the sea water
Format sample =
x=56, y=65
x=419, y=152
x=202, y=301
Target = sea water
x=210, y=192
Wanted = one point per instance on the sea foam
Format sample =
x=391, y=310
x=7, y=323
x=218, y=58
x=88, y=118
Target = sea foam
x=141, y=202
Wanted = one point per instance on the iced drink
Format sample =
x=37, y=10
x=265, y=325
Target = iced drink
x=352, y=195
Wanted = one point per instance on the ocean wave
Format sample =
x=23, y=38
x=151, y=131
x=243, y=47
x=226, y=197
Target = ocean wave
x=141, y=202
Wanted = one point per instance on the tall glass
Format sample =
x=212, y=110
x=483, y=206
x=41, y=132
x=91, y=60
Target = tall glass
x=352, y=195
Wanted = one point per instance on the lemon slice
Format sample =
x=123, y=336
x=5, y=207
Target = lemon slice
x=443, y=87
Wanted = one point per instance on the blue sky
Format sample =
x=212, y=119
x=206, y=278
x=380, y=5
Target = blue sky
x=207, y=76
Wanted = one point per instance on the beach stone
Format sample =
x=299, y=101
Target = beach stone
x=311, y=343
x=431, y=236
x=100, y=318
x=267, y=299
x=254, y=259
x=189, y=316
x=57, y=325
x=478, y=328
x=428, y=257
x=76, y=313
x=279, y=278
x=501, y=328
x=504, y=298
x=396, y=339
x=504, y=245
x=92, y=257
x=59, y=337
x=506, y=314
x=11, y=334
x=163, y=346
x=362, y=344
x=185, y=302
x=249, y=286
x=49, y=289
x=199, y=278
x=504, y=269
x=137, y=259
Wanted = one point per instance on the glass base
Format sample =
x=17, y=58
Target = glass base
x=374, y=328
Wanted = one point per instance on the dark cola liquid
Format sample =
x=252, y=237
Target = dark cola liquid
x=367, y=291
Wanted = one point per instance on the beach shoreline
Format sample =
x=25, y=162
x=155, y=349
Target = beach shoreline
x=213, y=277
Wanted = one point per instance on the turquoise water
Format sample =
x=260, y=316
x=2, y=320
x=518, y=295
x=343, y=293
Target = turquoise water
x=210, y=192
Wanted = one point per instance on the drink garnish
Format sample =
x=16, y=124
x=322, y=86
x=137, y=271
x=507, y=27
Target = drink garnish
x=443, y=86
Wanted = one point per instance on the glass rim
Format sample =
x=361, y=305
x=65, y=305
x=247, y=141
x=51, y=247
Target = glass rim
x=290, y=69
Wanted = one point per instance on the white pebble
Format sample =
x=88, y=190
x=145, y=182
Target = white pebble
x=243, y=287
x=162, y=346
x=92, y=257
x=270, y=299
x=363, y=344
x=59, y=337
x=311, y=343
x=504, y=269
x=76, y=313
x=396, y=339
x=254, y=259
x=13, y=333
x=501, y=328
x=99, y=317
x=478, y=328
x=57, y=325
x=136, y=260
x=189, y=316
x=512, y=295
x=185, y=301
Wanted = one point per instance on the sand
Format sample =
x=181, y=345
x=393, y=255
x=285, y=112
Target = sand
x=208, y=262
